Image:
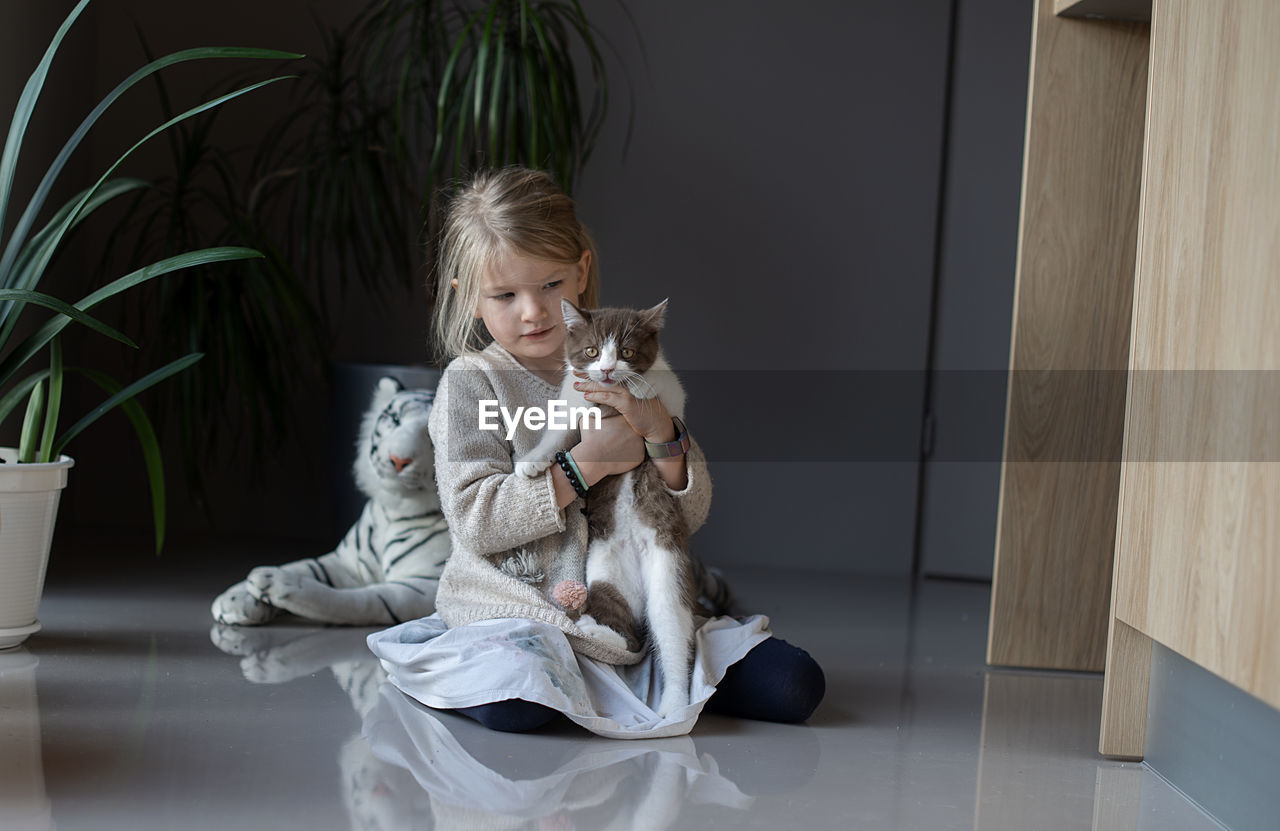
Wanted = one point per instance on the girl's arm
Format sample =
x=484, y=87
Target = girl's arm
x=487, y=506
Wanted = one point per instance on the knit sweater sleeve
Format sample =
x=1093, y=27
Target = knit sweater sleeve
x=487, y=505
x=694, y=501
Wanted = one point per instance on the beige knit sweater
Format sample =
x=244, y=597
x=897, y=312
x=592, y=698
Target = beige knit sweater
x=495, y=514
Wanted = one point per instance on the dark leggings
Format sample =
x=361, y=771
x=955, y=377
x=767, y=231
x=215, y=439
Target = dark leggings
x=774, y=682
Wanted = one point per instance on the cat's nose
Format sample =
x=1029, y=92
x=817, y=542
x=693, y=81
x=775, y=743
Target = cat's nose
x=400, y=463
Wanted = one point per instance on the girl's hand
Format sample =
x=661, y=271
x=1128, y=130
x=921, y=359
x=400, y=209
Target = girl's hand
x=614, y=448
x=647, y=416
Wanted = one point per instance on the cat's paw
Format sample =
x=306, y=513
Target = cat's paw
x=238, y=606
x=531, y=470
x=671, y=702
x=602, y=633
x=570, y=595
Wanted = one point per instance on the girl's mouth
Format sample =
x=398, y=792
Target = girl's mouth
x=540, y=333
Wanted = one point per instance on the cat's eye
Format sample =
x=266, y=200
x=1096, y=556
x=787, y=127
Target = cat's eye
x=592, y=351
x=628, y=354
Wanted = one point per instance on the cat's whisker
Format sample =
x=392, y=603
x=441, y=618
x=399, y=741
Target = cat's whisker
x=634, y=380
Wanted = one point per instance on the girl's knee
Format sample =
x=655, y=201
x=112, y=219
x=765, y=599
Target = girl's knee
x=774, y=682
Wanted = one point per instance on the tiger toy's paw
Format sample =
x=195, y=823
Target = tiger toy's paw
x=279, y=588
x=266, y=668
x=230, y=639
x=570, y=595
x=531, y=469
x=237, y=606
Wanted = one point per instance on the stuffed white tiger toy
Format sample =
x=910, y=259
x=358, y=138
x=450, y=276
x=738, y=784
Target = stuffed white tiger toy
x=387, y=568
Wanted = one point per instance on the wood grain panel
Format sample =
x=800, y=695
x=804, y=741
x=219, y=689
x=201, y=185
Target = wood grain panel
x=1197, y=565
x=1125, y=689
x=1065, y=410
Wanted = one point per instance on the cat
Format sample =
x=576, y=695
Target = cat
x=639, y=576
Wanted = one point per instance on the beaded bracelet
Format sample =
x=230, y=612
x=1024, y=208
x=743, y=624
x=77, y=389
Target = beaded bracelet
x=564, y=460
x=577, y=471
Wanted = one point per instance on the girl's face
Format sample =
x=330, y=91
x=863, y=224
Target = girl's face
x=520, y=306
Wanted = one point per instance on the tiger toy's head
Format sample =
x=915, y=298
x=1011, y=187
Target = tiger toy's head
x=394, y=456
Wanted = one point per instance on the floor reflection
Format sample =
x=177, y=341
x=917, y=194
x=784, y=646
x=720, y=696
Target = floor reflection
x=376, y=797
x=1037, y=729
x=421, y=768
x=24, y=803
x=473, y=777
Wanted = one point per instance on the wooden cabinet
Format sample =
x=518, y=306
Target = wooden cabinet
x=1193, y=498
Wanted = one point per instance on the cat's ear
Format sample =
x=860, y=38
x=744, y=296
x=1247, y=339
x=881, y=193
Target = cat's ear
x=655, y=316
x=574, y=317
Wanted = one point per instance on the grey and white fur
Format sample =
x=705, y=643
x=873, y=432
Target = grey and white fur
x=639, y=577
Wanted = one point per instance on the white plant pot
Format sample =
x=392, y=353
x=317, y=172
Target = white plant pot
x=29, y=496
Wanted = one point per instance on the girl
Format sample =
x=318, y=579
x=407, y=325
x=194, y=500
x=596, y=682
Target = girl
x=500, y=650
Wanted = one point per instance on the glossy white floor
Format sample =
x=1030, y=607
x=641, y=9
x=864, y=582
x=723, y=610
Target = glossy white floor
x=130, y=711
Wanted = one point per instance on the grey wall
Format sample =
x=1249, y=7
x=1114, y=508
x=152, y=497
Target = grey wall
x=781, y=188
x=975, y=288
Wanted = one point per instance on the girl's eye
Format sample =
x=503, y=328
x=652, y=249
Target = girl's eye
x=553, y=284
x=628, y=354
x=592, y=351
x=506, y=296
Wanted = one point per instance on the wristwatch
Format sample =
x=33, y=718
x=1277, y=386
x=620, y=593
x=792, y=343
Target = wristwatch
x=665, y=450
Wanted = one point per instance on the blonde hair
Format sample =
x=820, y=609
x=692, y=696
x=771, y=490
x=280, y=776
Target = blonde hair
x=510, y=209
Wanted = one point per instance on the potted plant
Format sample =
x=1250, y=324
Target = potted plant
x=402, y=99
x=33, y=473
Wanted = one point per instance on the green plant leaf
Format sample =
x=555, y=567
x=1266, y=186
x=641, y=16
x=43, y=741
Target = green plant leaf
x=18, y=238
x=35, y=298
x=36, y=341
x=37, y=266
x=479, y=64
x=144, y=383
x=26, y=105
x=45, y=241
x=55, y=402
x=188, y=260
x=109, y=191
x=445, y=97
x=150, y=446
x=11, y=399
x=31, y=426
x=495, y=93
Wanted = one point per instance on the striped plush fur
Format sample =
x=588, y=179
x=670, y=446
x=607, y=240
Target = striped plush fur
x=387, y=567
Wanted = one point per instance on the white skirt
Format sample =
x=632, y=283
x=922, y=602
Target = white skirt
x=495, y=660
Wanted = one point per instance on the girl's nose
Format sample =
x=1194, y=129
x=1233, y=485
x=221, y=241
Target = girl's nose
x=532, y=311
